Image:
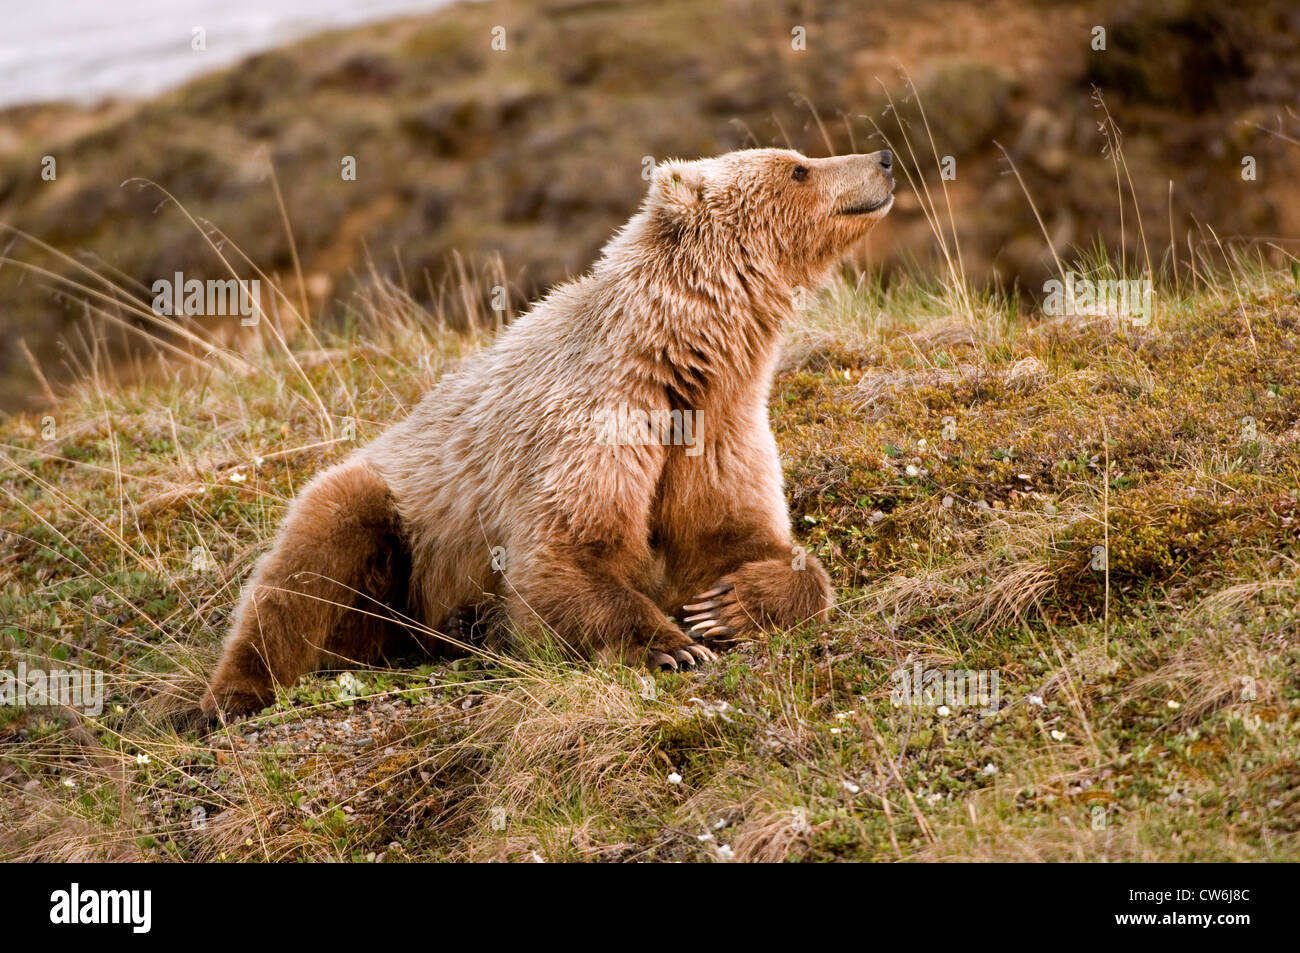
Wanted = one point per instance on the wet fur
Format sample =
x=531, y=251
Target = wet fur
x=602, y=544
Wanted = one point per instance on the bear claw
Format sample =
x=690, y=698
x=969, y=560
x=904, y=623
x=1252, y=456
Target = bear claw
x=717, y=590
x=709, y=600
x=708, y=610
x=702, y=653
x=689, y=656
x=660, y=660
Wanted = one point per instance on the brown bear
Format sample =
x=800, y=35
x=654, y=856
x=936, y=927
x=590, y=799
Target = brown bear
x=607, y=465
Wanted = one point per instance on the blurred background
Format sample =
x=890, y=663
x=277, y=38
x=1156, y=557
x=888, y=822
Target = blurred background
x=516, y=133
x=87, y=50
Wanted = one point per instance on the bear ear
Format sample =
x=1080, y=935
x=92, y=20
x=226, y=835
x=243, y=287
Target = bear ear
x=677, y=186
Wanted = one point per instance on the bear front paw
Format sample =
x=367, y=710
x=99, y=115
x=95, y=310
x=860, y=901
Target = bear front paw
x=687, y=656
x=718, y=615
x=669, y=648
x=759, y=595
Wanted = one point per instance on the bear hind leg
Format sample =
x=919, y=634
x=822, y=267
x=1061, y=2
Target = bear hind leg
x=329, y=592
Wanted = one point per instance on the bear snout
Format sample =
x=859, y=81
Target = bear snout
x=867, y=182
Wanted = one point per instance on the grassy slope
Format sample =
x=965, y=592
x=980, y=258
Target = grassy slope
x=1167, y=718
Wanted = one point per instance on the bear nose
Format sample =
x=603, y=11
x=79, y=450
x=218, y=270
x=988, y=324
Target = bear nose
x=886, y=160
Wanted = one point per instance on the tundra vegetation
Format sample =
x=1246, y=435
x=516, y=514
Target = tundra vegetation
x=956, y=460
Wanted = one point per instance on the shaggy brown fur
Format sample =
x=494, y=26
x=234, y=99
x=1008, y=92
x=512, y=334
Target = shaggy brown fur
x=598, y=535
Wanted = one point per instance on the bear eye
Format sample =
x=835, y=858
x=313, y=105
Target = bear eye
x=800, y=173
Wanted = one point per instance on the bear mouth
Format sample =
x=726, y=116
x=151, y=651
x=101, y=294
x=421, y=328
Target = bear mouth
x=866, y=208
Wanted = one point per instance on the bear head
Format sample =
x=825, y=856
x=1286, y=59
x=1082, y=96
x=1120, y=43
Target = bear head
x=782, y=212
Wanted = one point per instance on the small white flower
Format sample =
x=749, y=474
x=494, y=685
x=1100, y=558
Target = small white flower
x=947, y=502
x=725, y=853
x=349, y=686
x=835, y=731
x=851, y=787
x=1036, y=700
x=674, y=778
x=990, y=769
x=841, y=715
x=912, y=470
x=1173, y=704
x=258, y=461
x=142, y=759
x=944, y=711
x=706, y=836
x=69, y=783
x=1058, y=735
x=238, y=476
